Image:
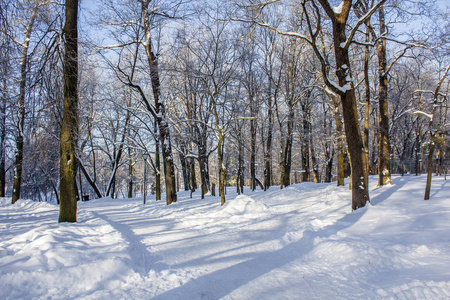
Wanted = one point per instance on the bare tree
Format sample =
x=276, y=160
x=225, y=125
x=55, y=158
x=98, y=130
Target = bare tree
x=69, y=130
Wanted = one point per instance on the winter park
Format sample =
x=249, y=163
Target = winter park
x=238, y=149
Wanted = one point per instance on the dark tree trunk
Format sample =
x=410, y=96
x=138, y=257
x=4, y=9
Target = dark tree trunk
x=161, y=118
x=204, y=168
x=69, y=129
x=281, y=161
x=184, y=165
x=130, y=174
x=222, y=169
x=157, y=165
x=2, y=141
x=252, y=147
x=240, y=175
x=360, y=184
x=192, y=179
x=288, y=146
x=315, y=165
x=384, y=147
x=305, y=146
x=268, y=154
x=429, y=168
x=329, y=164
x=328, y=148
x=366, y=94
x=340, y=145
x=21, y=112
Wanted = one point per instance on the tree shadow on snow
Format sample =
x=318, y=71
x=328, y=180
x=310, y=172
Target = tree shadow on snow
x=222, y=282
x=388, y=190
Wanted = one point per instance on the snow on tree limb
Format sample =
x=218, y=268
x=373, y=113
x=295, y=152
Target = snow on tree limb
x=419, y=112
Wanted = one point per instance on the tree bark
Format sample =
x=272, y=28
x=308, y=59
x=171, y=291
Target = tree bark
x=192, y=179
x=21, y=111
x=435, y=132
x=305, y=145
x=130, y=174
x=384, y=148
x=252, y=144
x=429, y=168
x=360, y=191
x=287, y=159
x=157, y=165
x=184, y=165
x=340, y=148
x=240, y=175
x=268, y=156
x=315, y=166
x=161, y=118
x=366, y=94
x=2, y=140
x=222, y=169
x=69, y=129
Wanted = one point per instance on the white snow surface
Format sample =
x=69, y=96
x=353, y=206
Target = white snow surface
x=301, y=242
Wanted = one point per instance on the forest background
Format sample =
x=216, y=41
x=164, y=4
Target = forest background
x=192, y=95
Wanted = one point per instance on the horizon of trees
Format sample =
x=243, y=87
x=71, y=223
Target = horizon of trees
x=243, y=93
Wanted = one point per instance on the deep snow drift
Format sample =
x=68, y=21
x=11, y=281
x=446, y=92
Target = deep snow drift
x=302, y=242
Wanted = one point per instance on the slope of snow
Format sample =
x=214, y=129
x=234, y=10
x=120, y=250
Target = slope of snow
x=302, y=242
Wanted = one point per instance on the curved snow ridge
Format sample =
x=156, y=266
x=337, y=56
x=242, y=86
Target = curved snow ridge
x=89, y=253
x=245, y=205
x=21, y=204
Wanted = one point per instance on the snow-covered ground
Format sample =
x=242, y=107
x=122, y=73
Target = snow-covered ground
x=302, y=242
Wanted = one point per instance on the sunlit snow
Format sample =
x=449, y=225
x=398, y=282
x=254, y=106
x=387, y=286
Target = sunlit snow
x=301, y=242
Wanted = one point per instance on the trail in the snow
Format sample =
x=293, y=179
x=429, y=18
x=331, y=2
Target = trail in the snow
x=126, y=223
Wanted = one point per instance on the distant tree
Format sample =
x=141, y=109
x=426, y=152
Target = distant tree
x=436, y=126
x=21, y=104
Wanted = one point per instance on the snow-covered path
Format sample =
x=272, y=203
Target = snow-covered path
x=301, y=242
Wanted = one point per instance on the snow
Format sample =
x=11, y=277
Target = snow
x=429, y=116
x=338, y=9
x=301, y=242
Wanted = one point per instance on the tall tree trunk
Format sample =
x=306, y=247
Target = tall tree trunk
x=360, y=191
x=268, y=156
x=329, y=164
x=287, y=159
x=328, y=149
x=2, y=140
x=366, y=94
x=429, y=168
x=204, y=167
x=222, y=169
x=21, y=111
x=252, y=145
x=69, y=129
x=130, y=174
x=340, y=150
x=305, y=145
x=240, y=175
x=184, y=165
x=161, y=118
x=435, y=133
x=157, y=165
x=192, y=179
x=384, y=147
x=315, y=165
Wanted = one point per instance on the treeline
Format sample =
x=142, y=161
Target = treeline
x=242, y=93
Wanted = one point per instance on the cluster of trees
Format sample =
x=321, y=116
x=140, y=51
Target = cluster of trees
x=256, y=93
